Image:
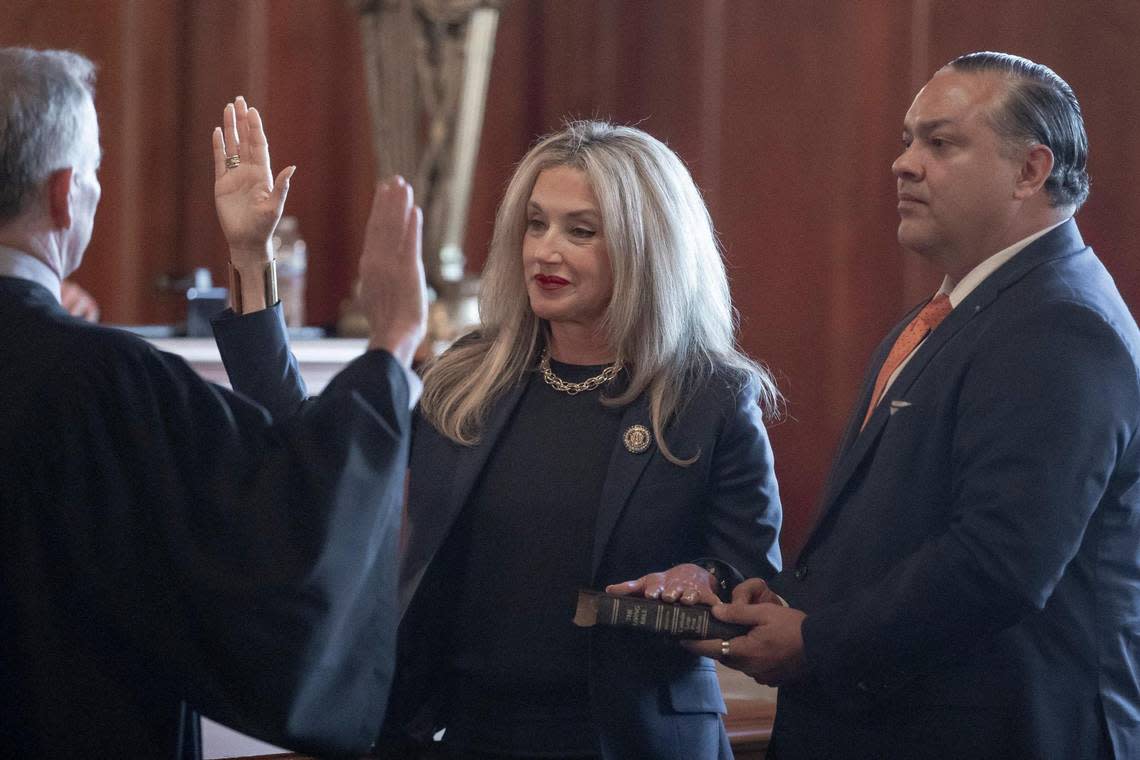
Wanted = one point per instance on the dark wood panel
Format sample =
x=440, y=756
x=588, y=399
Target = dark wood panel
x=787, y=111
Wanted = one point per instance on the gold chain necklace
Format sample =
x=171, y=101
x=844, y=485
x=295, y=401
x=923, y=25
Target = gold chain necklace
x=558, y=384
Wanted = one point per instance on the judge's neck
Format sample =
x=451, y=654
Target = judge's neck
x=572, y=343
x=16, y=262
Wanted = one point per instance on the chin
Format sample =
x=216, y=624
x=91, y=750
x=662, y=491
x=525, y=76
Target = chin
x=543, y=309
x=911, y=238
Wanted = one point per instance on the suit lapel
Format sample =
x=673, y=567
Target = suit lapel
x=457, y=475
x=471, y=459
x=624, y=471
x=1063, y=241
x=861, y=443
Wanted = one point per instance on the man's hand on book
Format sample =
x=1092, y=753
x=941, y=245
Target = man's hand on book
x=772, y=652
x=688, y=584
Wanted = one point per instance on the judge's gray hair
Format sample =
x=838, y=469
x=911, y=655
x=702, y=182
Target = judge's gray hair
x=43, y=94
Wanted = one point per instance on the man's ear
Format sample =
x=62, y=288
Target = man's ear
x=58, y=188
x=1035, y=170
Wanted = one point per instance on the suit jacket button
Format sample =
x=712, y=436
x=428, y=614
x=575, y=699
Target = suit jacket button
x=801, y=572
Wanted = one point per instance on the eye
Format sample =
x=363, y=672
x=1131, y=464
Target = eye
x=582, y=232
x=907, y=140
x=535, y=225
x=938, y=142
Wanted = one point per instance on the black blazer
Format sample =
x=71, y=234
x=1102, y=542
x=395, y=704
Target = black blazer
x=651, y=699
x=162, y=541
x=973, y=583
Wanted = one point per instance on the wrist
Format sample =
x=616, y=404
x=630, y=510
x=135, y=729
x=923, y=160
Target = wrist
x=250, y=257
x=253, y=287
x=722, y=577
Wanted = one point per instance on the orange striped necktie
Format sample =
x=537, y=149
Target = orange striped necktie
x=922, y=325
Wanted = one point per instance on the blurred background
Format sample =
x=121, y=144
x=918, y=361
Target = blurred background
x=788, y=113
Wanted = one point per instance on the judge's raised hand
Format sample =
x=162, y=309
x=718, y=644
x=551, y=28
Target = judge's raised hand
x=687, y=583
x=393, y=293
x=248, y=198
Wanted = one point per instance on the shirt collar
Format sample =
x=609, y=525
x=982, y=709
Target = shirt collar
x=976, y=276
x=14, y=263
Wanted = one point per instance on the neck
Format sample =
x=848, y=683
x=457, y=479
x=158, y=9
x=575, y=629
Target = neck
x=957, y=264
x=15, y=262
x=577, y=344
x=44, y=245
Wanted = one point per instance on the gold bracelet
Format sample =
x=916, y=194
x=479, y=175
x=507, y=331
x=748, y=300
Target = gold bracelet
x=270, y=282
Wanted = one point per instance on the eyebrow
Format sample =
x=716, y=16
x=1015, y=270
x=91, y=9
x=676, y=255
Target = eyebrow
x=926, y=127
x=591, y=212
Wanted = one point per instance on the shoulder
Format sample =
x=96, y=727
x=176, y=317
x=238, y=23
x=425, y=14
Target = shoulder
x=721, y=386
x=722, y=400
x=97, y=357
x=1076, y=348
x=1066, y=307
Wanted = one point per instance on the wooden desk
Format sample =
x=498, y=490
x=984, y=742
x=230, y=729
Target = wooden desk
x=319, y=359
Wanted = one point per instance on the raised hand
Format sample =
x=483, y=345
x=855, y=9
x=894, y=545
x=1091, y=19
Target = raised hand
x=248, y=198
x=393, y=292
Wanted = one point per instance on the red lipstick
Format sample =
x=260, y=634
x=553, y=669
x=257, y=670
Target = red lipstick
x=550, y=281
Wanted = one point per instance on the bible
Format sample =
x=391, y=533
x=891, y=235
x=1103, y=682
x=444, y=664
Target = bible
x=679, y=621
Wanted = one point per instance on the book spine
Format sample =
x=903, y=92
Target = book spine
x=675, y=620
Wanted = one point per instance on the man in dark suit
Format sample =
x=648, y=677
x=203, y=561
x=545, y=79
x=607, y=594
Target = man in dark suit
x=972, y=586
x=164, y=546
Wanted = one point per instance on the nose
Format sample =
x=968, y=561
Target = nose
x=545, y=248
x=907, y=166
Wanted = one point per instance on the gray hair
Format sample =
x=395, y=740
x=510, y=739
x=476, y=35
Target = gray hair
x=42, y=99
x=670, y=318
x=1040, y=107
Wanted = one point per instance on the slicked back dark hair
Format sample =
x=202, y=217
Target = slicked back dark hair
x=1040, y=107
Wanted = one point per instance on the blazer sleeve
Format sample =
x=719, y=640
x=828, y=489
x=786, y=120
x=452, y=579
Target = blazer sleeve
x=247, y=564
x=743, y=513
x=255, y=352
x=1041, y=423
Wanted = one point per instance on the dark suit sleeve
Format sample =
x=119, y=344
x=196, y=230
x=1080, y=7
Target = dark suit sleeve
x=255, y=352
x=248, y=566
x=1041, y=423
x=743, y=513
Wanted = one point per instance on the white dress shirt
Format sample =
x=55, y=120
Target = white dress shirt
x=14, y=263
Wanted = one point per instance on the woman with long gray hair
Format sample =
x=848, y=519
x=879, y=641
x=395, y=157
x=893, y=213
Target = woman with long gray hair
x=599, y=424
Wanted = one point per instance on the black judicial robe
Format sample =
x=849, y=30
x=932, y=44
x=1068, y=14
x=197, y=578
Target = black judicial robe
x=163, y=542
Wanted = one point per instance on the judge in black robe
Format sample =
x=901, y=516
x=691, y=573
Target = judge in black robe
x=162, y=541
x=164, y=546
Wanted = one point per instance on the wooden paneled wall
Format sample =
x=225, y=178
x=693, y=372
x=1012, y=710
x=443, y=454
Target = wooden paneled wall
x=787, y=111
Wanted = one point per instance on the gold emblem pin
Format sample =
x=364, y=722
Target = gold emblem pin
x=636, y=439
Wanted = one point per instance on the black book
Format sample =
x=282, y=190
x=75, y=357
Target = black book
x=673, y=619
